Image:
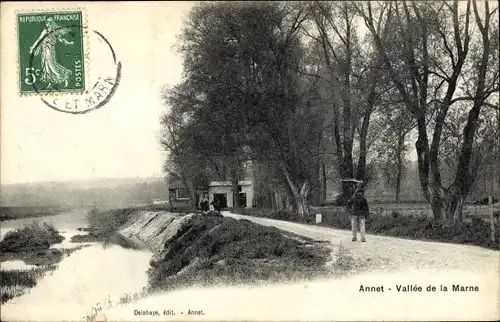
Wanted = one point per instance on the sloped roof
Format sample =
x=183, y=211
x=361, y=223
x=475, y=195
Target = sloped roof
x=228, y=183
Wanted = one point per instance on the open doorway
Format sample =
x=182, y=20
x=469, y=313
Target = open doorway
x=222, y=197
x=242, y=200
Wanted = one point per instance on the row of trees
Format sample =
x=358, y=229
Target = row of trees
x=304, y=88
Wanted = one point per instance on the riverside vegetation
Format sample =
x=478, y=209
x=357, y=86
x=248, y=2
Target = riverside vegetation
x=31, y=244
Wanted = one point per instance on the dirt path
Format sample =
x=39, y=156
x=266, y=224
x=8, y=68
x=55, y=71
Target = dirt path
x=389, y=253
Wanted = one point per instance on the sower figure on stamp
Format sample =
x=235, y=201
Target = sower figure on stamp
x=45, y=46
x=357, y=207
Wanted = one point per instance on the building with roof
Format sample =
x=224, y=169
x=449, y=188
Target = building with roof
x=222, y=191
x=216, y=190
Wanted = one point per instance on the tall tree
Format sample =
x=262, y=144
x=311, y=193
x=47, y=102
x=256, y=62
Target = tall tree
x=440, y=60
x=392, y=147
x=183, y=163
x=351, y=76
x=242, y=97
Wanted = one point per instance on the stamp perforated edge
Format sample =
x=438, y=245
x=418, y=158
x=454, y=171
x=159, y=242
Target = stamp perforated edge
x=86, y=52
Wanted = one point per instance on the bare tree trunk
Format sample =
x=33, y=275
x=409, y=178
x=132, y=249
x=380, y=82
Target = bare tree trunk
x=458, y=216
x=399, y=165
x=235, y=190
x=492, y=219
x=234, y=168
x=398, y=185
x=192, y=200
x=277, y=200
x=301, y=200
x=361, y=168
x=464, y=176
x=288, y=203
x=300, y=196
x=322, y=183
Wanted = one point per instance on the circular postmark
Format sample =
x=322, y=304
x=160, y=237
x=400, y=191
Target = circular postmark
x=63, y=74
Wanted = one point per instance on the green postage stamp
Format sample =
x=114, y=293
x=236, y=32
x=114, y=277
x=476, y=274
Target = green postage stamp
x=51, y=52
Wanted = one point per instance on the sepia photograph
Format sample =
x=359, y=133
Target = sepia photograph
x=250, y=161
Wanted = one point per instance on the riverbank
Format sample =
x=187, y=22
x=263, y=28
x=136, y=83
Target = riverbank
x=195, y=249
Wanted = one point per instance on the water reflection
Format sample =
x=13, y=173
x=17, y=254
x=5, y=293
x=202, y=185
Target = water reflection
x=66, y=222
x=88, y=276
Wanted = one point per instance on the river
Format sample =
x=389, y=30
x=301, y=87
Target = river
x=87, y=277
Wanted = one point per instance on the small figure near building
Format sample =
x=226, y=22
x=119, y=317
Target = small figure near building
x=204, y=205
x=216, y=205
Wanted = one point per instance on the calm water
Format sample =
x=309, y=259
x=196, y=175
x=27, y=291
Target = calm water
x=66, y=222
x=82, y=280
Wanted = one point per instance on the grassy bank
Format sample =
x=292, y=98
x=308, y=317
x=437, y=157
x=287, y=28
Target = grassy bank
x=8, y=213
x=31, y=244
x=476, y=232
x=14, y=283
x=216, y=250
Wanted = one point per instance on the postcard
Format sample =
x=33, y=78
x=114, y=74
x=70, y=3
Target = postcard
x=249, y=161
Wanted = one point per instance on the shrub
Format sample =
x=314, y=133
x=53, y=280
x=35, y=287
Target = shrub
x=285, y=214
x=31, y=237
x=109, y=221
x=485, y=201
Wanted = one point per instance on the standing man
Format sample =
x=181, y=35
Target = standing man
x=204, y=205
x=357, y=205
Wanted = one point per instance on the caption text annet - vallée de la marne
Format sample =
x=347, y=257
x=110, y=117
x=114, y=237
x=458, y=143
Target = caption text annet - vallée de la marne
x=414, y=288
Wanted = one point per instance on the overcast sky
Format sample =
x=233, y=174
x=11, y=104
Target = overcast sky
x=118, y=140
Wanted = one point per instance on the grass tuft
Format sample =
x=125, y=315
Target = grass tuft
x=14, y=283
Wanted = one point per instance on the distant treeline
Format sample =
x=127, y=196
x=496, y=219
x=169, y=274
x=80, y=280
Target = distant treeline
x=18, y=212
x=97, y=193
